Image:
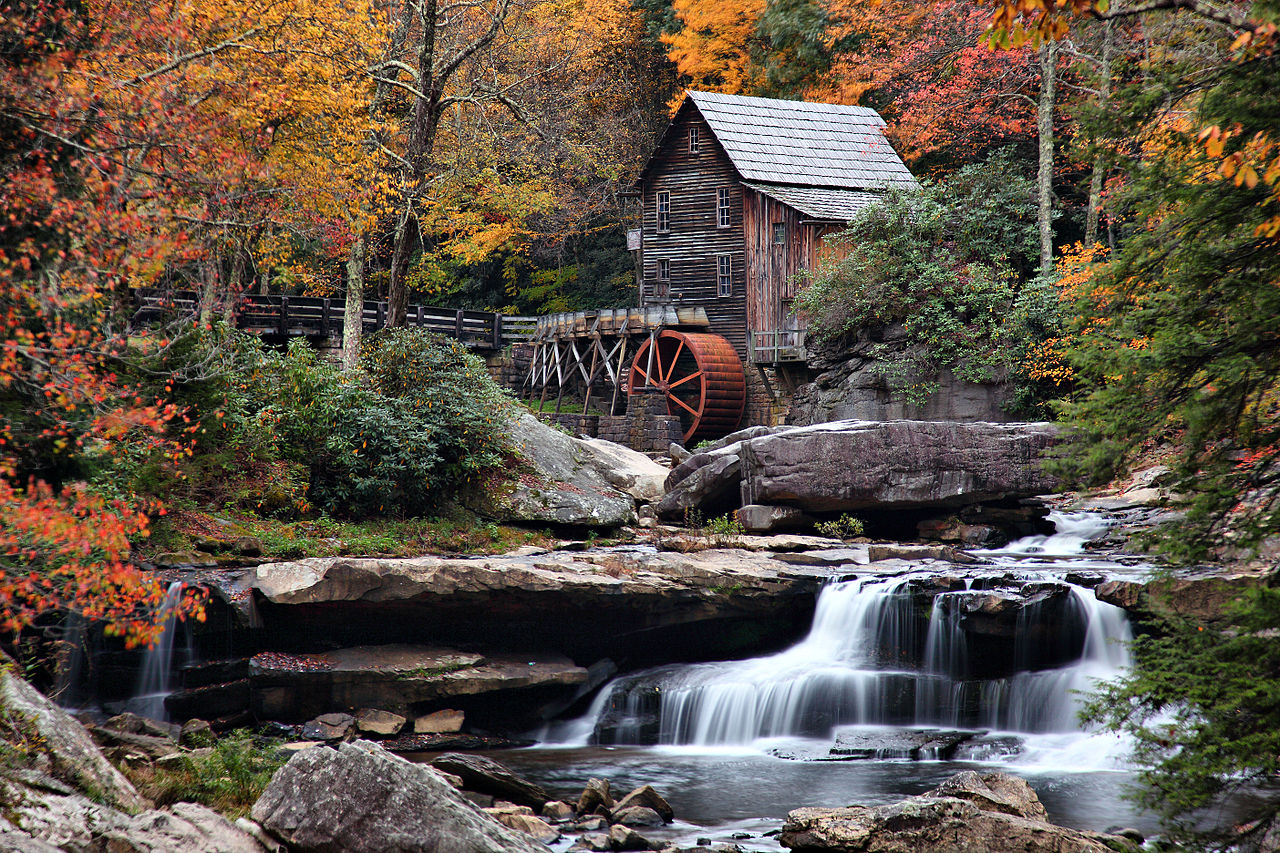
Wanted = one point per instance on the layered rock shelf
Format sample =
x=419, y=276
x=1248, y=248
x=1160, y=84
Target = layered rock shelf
x=639, y=604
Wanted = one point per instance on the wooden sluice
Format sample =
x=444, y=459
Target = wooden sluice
x=590, y=352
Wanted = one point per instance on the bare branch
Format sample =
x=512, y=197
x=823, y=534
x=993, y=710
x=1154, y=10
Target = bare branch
x=189, y=57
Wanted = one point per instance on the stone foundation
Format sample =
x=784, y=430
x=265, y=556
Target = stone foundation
x=510, y=367
x=769, y=394
x=646, y=426
x=577, y=425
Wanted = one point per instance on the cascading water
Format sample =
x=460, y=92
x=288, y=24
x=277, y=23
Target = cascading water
x=157, y=662
x=1007, y=648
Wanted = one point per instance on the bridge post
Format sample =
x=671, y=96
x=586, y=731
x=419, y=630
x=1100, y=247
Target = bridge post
x=420, y=321
x=324, y=318
x=458, y=328
x=497, y=331
x=382, y=316
x=284, y=316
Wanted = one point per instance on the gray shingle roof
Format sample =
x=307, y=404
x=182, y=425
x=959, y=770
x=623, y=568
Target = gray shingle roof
x=802, y=143
x=837, y=205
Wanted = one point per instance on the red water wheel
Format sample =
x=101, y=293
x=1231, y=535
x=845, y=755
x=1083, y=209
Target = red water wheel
x=700, y=375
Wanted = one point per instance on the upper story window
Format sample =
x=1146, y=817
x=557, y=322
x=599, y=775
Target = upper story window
x=693, y=140
x=723, y=219
x=664, y=270
x=724, y=275
x=662, y=287
x=779, y=233
x=664, y=212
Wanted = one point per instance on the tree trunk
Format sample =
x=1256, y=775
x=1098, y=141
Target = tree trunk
x=209, y=270
x=1044, y=174
x=353, y=315
x=1096, y=178
x=398, y=292
x=422, y=137
x=239, y=264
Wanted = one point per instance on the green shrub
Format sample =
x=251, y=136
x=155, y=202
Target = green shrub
x=844, y=527
x=949, y=263
x=724, y=527
x=450, y=390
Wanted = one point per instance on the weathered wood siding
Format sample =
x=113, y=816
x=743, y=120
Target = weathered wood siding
x=772, y=266
x=695, y=238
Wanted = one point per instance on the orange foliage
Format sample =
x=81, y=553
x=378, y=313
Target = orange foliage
x=713, y=49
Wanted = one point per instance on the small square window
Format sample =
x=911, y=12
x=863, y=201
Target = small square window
x=724, y=275
x=779, y=233
x=664, y=212
x=723, y=214
x=693, y=140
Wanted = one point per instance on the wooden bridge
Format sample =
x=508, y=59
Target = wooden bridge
x=321, y=318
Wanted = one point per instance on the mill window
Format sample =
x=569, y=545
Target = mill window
x=779, y=233
x=722, y=208
x=724, y=275
x=664, y=212
x=693, y=140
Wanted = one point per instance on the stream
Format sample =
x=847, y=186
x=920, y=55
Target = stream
x=902, y=681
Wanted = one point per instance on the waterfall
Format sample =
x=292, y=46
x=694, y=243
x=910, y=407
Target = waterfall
x=157, y=662
x=914, y=650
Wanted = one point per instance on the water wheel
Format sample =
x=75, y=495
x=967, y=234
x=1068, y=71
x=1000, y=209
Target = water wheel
x=701, y=376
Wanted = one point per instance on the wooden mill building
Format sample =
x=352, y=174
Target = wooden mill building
x=737, y=199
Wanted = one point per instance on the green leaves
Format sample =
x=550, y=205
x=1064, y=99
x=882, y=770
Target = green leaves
x=946, y=263
x=1203, y=707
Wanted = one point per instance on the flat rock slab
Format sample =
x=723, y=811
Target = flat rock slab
x=586, y=605
x=915, y=744
x=394, y=677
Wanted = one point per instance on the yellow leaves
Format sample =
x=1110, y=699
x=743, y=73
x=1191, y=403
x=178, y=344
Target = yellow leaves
x=1255, y=161
x=713, y=48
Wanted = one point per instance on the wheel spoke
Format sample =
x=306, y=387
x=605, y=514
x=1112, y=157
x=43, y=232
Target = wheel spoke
x=657, y=361
x=674, y=359
x=640, y=370
x=682, y=404
x=686, y=379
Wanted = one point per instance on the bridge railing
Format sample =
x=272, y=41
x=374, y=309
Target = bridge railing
x=322, y=317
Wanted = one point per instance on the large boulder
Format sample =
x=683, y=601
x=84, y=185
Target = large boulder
x=991, y=812
x=60, y=746
x=562, y=482
x=860, y=465
x=846, y=466
x=360, y=798
x=60, y=792
x=71, y=821
x=706, y=483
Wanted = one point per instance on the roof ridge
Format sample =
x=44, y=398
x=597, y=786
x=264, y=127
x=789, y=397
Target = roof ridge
x=697, y=93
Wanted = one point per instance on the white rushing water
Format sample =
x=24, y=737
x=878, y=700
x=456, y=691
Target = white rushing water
x=896, y=655
x=157, y=662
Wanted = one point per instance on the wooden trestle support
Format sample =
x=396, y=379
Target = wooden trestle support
x=615, y=351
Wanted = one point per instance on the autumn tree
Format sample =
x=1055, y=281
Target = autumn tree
x=1175, y=346
x=526, y=139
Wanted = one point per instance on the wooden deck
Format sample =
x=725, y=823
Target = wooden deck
x=321, y=318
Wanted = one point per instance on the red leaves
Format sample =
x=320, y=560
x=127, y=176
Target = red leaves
x=70, y=551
